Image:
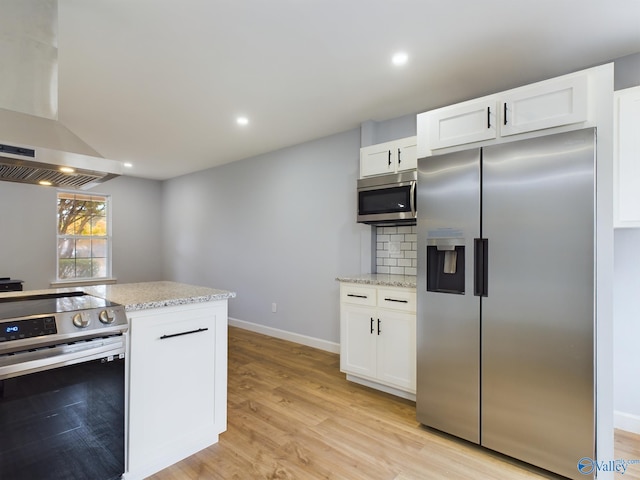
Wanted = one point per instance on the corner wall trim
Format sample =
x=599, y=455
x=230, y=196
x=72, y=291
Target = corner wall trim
x=626, y=421
x=284, y=335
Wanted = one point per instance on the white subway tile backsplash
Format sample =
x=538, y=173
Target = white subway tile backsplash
x=396, y=250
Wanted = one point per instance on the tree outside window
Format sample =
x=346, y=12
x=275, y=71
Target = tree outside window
x=84, y=237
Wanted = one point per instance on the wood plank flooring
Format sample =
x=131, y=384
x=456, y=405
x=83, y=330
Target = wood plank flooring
x=292, y=415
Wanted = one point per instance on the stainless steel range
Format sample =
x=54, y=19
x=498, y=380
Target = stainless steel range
x=62, y=383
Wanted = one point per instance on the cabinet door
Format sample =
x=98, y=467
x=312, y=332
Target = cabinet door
x=377, y=159
x=172, y=378
x=463, y=123
x=358, y=340
x=406, y=151
x=627, y=158
x=544, y=105
x=396, y=349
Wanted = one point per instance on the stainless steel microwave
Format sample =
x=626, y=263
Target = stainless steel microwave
x=388, y=199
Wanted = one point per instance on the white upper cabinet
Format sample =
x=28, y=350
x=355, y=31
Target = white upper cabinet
x=544, y=105
x=389, y=157
x=463, y=123
x=627, y=158
x=407, y=153
x=558, y=102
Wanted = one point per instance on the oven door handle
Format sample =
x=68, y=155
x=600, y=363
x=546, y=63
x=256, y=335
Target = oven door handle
x=23, y=363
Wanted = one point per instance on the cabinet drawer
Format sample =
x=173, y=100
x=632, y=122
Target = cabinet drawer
x=403, y=300
x=357, y=294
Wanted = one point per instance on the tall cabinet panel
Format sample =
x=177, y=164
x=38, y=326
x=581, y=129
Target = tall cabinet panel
x=448, y=329
x=537, y=360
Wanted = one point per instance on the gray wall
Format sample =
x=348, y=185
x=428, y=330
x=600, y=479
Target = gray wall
x=626, y=301
x=137, y=228
x=28, y=240
x=276, y=228
x=372, y=132
x=28, y=223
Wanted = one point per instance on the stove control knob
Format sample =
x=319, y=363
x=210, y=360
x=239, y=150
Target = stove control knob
x=81, y=321
x=106, y=316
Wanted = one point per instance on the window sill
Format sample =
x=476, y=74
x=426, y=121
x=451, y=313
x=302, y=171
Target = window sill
x=83, y=283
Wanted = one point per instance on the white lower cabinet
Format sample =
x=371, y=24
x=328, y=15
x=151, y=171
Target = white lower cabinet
x=378, y=337
x=177, y=384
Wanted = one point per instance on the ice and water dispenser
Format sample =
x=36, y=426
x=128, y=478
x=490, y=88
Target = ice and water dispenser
x=445, y=265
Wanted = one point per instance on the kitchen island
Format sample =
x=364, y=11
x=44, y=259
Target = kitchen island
x=145, y=295
x=177, y=370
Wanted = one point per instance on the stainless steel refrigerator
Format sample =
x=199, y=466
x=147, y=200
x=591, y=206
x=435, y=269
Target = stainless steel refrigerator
x=506, y=279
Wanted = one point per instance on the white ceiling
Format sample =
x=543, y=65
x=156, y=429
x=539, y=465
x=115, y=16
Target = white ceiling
x=159, y=83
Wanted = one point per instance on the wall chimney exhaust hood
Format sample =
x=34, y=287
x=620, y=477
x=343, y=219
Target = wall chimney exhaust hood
x=35, y=147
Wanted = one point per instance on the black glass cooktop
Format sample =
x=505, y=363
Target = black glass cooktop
x=48, y=303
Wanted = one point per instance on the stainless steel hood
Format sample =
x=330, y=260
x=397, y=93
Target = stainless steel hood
x=34, y=146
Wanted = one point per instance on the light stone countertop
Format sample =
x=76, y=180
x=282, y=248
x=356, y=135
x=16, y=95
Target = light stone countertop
x=144, y=295
x=380, y=279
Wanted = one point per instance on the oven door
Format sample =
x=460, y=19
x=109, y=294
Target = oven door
x=385, y=204
x=64, y=422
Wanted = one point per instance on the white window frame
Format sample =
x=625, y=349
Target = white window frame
x=108, y=238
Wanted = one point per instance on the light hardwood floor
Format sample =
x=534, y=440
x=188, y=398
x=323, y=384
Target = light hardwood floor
x=292, y=415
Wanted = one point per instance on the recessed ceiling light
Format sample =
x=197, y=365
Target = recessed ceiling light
x=400, y=58
x=242, y=121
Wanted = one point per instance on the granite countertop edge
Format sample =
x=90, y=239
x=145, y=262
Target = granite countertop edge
x=132, y=307
x=141, y=296
x=148, y=295
x=380, y=280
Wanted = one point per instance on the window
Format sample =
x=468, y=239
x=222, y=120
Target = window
x=84, y=236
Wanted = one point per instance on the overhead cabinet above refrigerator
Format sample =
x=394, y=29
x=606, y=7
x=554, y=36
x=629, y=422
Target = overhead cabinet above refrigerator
x=506, y=281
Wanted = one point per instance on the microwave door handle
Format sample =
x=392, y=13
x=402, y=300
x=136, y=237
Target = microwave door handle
x=412, y=202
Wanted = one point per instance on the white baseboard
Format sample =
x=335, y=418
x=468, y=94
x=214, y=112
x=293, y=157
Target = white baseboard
x=284, y=335
x=626, y=421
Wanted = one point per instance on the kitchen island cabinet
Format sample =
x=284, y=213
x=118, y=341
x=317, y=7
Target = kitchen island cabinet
x=177, y=370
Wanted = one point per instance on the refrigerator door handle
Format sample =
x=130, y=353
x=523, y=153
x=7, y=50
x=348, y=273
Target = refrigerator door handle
x=480, y=268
